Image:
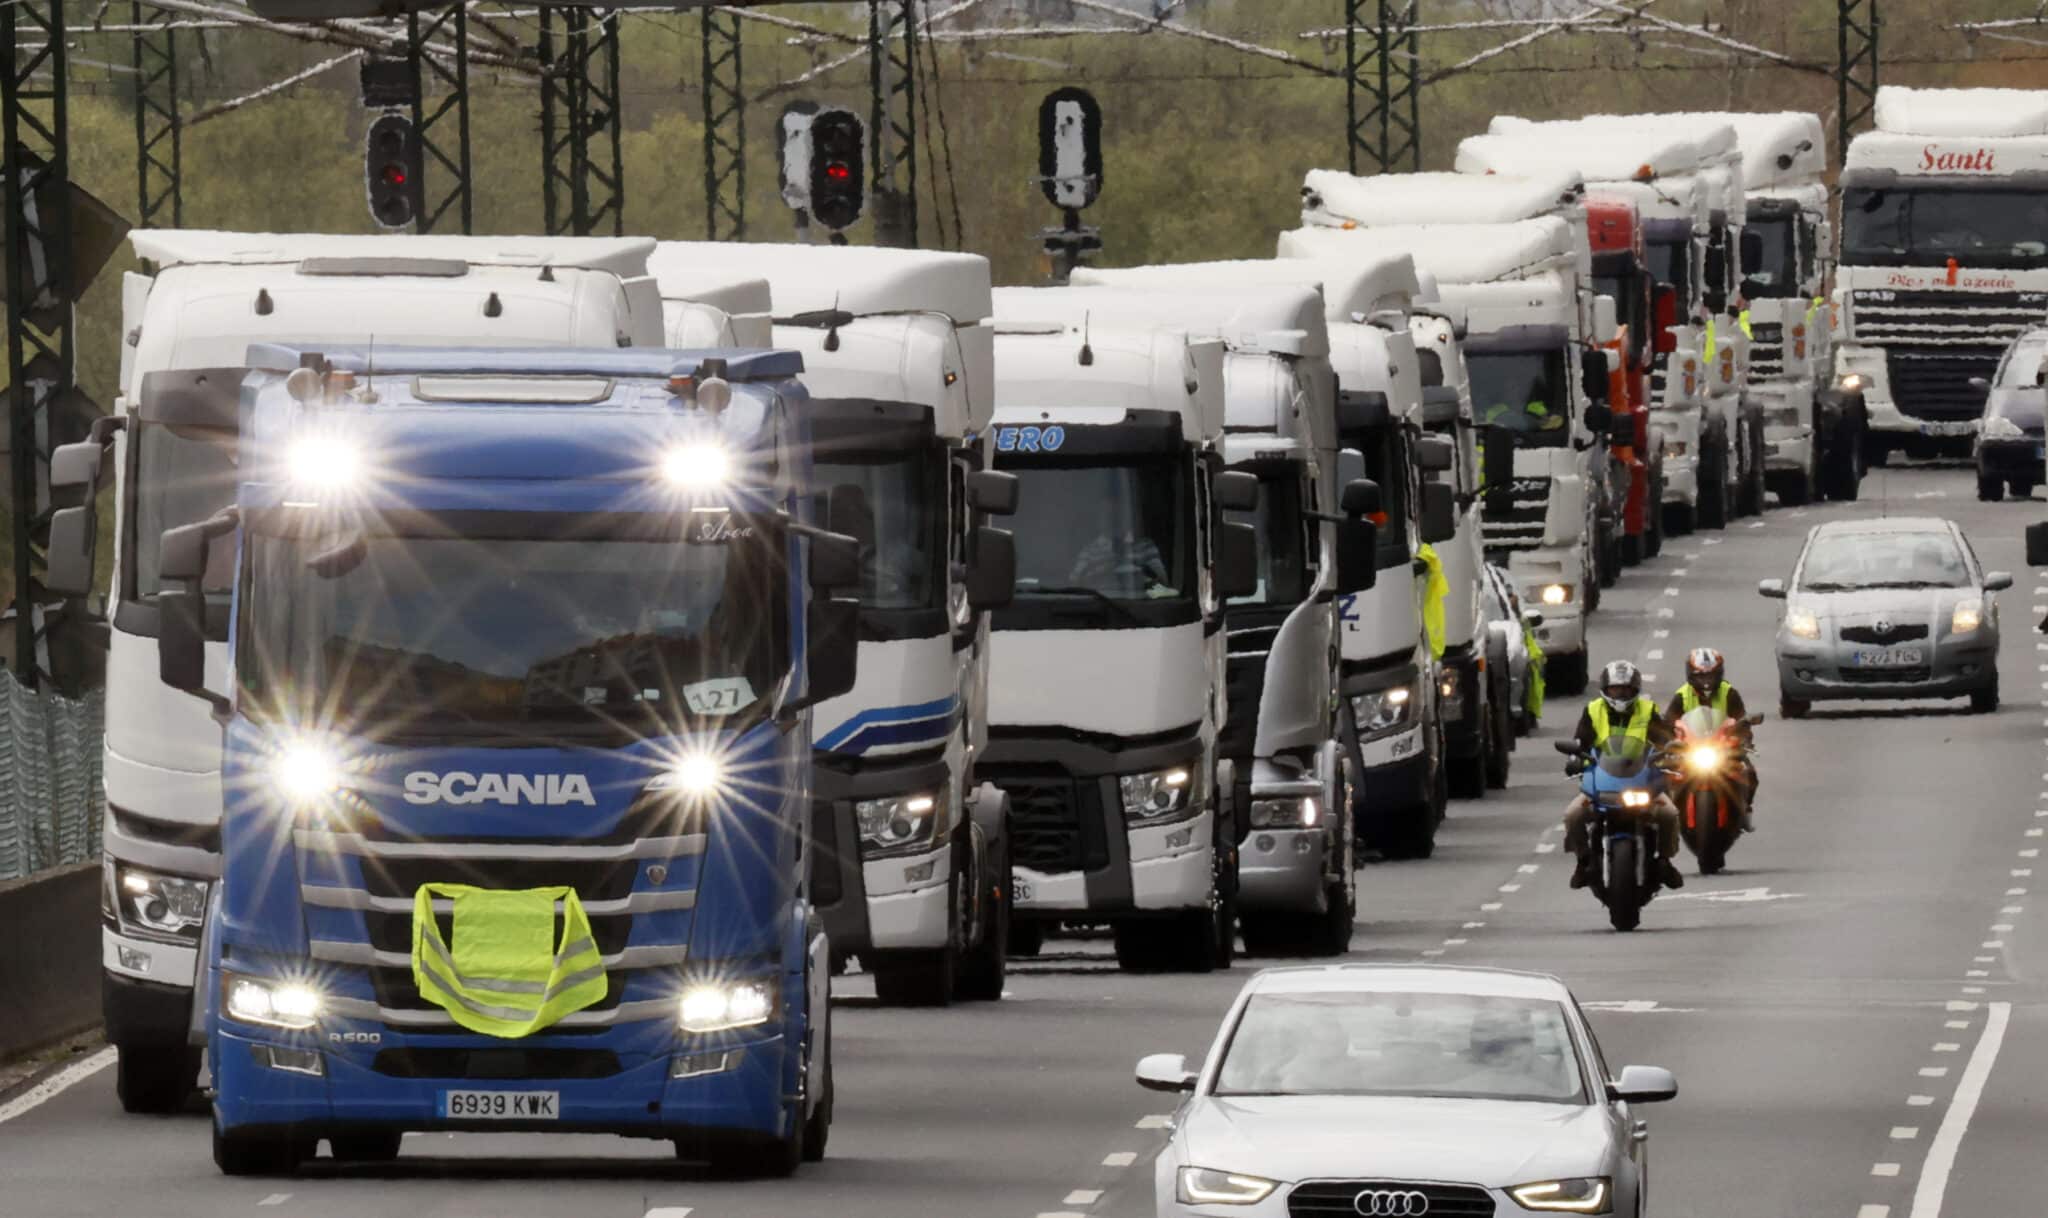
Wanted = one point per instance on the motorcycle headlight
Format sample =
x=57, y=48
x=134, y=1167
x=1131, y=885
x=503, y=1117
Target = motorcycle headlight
x=1207, y=1186
x=1967, y=617
x=1703, y=758
x=1635, y=799
x=1299, y=813
x=1998, y=427
x=724, y=1006
x=1582, y=1195
x=1802, y=623
x=292, y=1005
x=1157, y=794
x=167, y=906
x=903, y=823
x=1383, y=710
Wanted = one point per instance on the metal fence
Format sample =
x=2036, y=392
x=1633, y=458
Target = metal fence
x=50, y=792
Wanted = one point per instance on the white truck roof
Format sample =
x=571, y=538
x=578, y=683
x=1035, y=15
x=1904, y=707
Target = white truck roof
x=1786, y=148
x=1992, y=113
x=1353, y=288
x=1278, y=319
x=857, y=279
x=1456, y=253
x=625, y=257
x=716, y=309
x=1040, y=376
x=1599, y=153
x=1338, y=200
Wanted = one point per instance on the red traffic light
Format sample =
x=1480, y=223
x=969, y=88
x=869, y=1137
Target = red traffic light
x=838, y=171
x=394, y=175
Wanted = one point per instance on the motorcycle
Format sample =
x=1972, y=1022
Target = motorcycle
x=1713, y=787
x=1622, y=778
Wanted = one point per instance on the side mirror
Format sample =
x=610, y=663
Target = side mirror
x=1360, y=498
x=1434, y=456
x=1599, y=418
x=835, y=562
x=181, y=628
x=1593, y=376
x=1997, y=581
x=1756, y=720
x=1439, y=512
x=74, y=534
x=1235, y=491
x=75, y=471
x=1664, y=319
x=2037, y=545
x=1569, y=748
x=1606, y=320
x=1643, y=1085
x=1358, y=543
x=992, y=569
x=1621, y=428
x=1440, y=407
x=1237, y=561
x=1165, y=1072
x=1752, y=251
x=1774, y=589
x=831, y=647
x=992, y=491
x=1533, y=617
x=1980, y=383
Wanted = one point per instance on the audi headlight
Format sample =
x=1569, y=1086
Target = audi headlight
x=1802, y=624
x=1207, y=1186
x=1383, y=710
x=1704, y=758
x=292, y=1005
x=1581, y=1195
x=1635, y=799
x=1555, y=594
x=1998, y=427
x=1298, y=813
x=1157, y=794
x=165, y=905
x=904, y=823
x=1967, y=617
x=724, y=1006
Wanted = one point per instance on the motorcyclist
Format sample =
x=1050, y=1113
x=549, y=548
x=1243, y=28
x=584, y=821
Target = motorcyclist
x=1706, y=684
x=1621, y=709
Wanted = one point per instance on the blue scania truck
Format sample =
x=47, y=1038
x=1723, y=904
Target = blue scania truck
x=517, y=748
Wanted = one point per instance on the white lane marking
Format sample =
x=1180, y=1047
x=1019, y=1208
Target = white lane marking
x=1947, y=1046
x=1957, y=1005
x=1156, y=1121
x=1546, y=847
x=2000, y=928
x=1994, y=943
x=1667, y=611
x=2012, y=909
x=281, y=1198
x=1489, y=907
x=2021, y=873
x=1948, y=1139
x=1873, y=1211
x=1511, y=888
x=1920, y=1101
x=1884, y=1169
x=1122, y=1158
x=2015, y=892
x=1956, y=1024
x=1655, y=653
x=1432, y=951
x=1660, y=634
x=1677, y=572
x=1976, y=972
x=1711, y=541
x=1061, y=1214
x=1529, y=868
x=1984, y=959
x=1650, y=678
x=1734, y=896
x=1472, y=926
x=1456, y=942
x=1905, y=1133
x=1756, y=524
x=1671, y=591
x=1934, y=1072
x=659, y=1211
x=2032, y=852
x=1636, y=1006
x=1973, y=989
x=1082, y=1196
x=56, y=1085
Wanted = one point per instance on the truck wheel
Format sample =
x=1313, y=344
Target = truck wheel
x=2021, y=488
x=1842, y=472
x=1027, y=937
x=1633, y=548
x=818, y=1128
x=985, y=967
x=1990, y=489
x=1753, y=484
x=1713, y=504
x=1500, y=756
x=155, y=1080
x=1679, y=519
x=1566, y=674
x=249, y=1154
x=918, y=979
x=1653, y=520
x=368, y=1146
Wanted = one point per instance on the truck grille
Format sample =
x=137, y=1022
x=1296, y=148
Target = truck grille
x=1319, y=1197
x=1934, y=382
x=496, y=1063
x=1767, y=353
x=1515, y=514
x=1244, y=682
x=1055, y=823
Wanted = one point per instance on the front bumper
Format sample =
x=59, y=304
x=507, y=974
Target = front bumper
x=1676, y=432
x=1563, y=631
x=1814, y=671
x=2013, y=460
x=144, y=1012
x=1282, y=870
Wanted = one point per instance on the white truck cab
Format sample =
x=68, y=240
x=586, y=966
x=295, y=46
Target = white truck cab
x=1107, y=686
x=212, y=294
x=910, y=854
x=1944, y=257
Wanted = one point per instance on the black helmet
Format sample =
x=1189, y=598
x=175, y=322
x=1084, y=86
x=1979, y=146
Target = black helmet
x=1704, y=668
x=1625, y=677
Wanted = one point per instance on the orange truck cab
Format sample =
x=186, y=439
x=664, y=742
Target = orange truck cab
x=1621, y=270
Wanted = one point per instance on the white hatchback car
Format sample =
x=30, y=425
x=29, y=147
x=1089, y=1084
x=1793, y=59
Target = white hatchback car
x=1403, y=1092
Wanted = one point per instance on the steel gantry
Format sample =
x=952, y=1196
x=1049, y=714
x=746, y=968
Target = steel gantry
x=582, y=166
x=725, y=129
x=159, y=162
x=1383, y=86
x=1855, y=69
x=892, y=120
x=444, y=154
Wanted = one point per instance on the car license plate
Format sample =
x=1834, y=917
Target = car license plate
x=1020, y=890
x=1887, y=657
x=1956, y=428
x=501, y=1105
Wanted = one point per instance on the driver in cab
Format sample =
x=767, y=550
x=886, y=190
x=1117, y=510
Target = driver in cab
x=1621, y=710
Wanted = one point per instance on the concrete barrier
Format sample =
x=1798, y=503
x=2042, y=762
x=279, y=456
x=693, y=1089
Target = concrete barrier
x=49, y=956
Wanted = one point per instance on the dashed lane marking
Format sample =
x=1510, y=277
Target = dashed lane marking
x=1510, y=888
x=1082, y=1196
x=56, y=1085
x=669, y=1211
x=1905, y=1133
x=1490, y=907
x=1920, y=1101
x=1660, y=634
x=1529, y=868
x=281, y=1198
x=1934, y=1072
x=1948, y=1138
x=1157, y=1121
x=1947, y=1046
x=1884, y=1169
x=1874, y=1211
x=1122, y=1158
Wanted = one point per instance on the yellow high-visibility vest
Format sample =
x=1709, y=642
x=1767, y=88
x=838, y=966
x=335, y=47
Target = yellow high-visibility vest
x=506, y=975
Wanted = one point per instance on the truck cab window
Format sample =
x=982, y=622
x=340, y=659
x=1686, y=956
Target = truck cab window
x=1283, y=540
x=903, y=569
x=1522, y=392
x=1123, y=530
x=180, y=477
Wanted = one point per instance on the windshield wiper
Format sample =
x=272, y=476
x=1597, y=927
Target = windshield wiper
x=1095, y=594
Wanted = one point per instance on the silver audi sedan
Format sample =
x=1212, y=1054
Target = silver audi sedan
x=1398, y=1091
x=1887, y=608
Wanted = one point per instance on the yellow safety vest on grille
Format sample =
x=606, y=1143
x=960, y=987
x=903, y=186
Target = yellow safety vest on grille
x=1712, y=345
x=1689, y=698
x=1434, y=590
x=1639, y=717
x=1532, y=694
x=1742, y=320
x=506, y=974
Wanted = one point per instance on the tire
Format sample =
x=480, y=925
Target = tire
x=1329, y=933
x=1842, y=473
x=1653, y=522
x=247, y=1154
x=1712, y=848
x=1466, y=776
x=1566, y=674
x=1623, y=894
x=155, y=1080
x=1796, y=491
x=985, y=967
x=1027, y=937
x=1793, y=708
x=1985, y=700
x=1753, y=487
x=1501, y=758
x=367, y=1146
x=2020, y=488
x=1713, y=505
x=1990, y=489
x=818, y=1126
x=919, y=979
x=1267, y=934
x=1679, y=520
x=1634, y=548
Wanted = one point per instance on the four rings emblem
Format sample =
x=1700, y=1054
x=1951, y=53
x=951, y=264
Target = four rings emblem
x=1391, y=1203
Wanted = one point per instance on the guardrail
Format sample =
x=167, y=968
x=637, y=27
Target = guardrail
x=50, y=793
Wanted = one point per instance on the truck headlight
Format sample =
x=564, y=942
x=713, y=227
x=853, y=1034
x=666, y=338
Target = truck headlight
x=902, y=823
x=1301, y=812
x=1802, y=624
x=292, y=1005
x=165, y=905
x=1582, y=1195
x=1998, y=427
x=1852, y=382
x=1675, y=448
x=721, y=1006
x=1968, y=615
x=1207, y=1186
x=1383, y=710
x=1157, y=794
x=306, y=771
x=697, y=466
x=1555, y=594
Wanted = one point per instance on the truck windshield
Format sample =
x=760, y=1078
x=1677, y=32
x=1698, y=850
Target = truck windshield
x=1283, y=540
x=1777, y=272
x=179, y=478
x=1671, y=266
x=1386, y=463
x=1927, y=225
x=1523, y=392
x=510, y=623
x=1117, y=530
x=902, y=569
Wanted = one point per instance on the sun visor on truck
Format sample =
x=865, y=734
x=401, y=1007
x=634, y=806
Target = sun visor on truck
x=868, y=425
x=206, y=399
x=1518, y=338
x=1362, y=410
x=1138, y=433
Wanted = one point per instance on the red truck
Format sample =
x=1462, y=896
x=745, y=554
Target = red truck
x=1621, y=270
